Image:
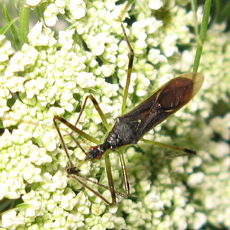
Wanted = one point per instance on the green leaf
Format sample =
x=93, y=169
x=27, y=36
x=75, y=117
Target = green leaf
x=12, y=28
x=6, y=28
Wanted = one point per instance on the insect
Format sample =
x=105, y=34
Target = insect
x=132, y=126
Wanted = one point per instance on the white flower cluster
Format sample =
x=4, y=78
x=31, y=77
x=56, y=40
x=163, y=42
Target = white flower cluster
x=5, y=49
x=52, y=70
x=52, y=74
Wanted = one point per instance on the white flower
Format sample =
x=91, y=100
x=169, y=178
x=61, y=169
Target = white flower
x=97, y=43
x=50, y=15
x=32, y=174
x=41, y=37
x=156, y=4
x=85, y=79
x=65, y=39
x=33, y=3
x=33, y=87
x=5, y=49
x=58, y=180
x=39, y=156
x=77, y=8
x=11, y=220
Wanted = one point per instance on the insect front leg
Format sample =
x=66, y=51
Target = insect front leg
x=74, y=172
x=97, y=107
x=129, y=72
x=78, y=131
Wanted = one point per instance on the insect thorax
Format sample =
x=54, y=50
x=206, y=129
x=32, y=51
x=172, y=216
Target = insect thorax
x=123, y=133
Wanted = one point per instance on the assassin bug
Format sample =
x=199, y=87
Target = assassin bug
x=131, y=127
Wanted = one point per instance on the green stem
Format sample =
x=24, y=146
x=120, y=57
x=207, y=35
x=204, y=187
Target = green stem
x=203, y=30
x=194, y=9
x=24, y=21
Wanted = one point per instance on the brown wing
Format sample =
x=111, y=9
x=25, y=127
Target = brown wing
x=165, y=101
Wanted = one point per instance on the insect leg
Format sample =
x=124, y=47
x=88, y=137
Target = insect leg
x=85, y=185
x=130, y=67
x=124, y=173
x=75, y=129
x=187, y=152
x=97, y=107
x=78, y=131
x=73, y=171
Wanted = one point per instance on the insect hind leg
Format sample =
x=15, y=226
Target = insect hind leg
x=184, y=151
